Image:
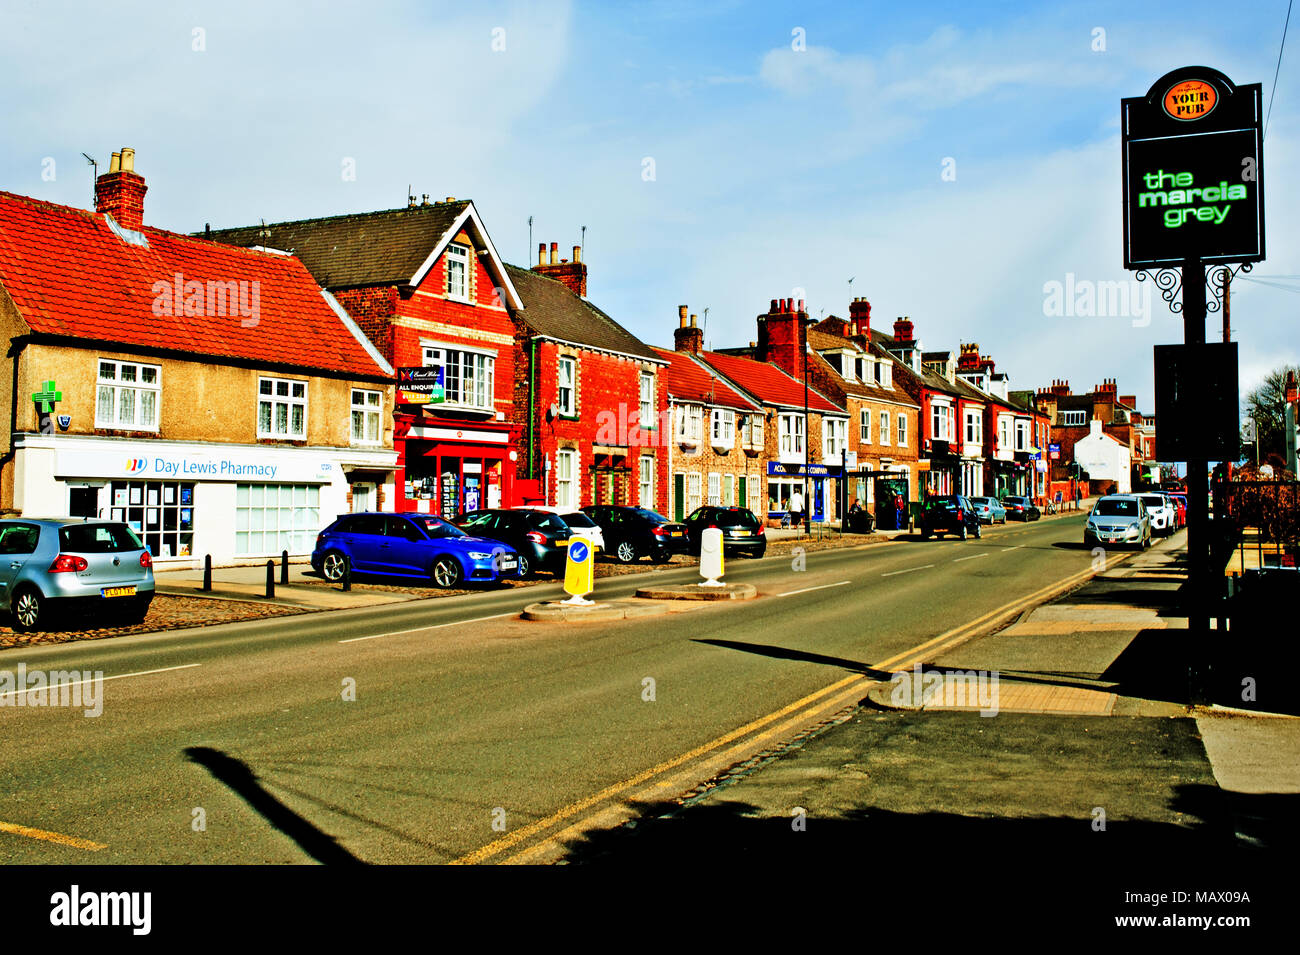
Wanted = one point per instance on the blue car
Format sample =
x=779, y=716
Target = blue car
x=411, y=545
x=990, y=511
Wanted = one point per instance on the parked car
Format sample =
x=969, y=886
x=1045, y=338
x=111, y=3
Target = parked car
x=989, y=509
x=1162, y=512
x=540, y=538
x=580, y=525
x=949, y=514
x=742, y=531
x=1180, y=505
x=411, y=545
x=49, y=567
x=1118, y=519
x=1021, y=509
x=635, y=532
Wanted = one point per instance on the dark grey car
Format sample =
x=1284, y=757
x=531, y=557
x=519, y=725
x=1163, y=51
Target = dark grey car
x=52, y=565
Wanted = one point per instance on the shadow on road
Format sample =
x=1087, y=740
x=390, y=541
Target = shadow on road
x=241, y=780
x=784, y=653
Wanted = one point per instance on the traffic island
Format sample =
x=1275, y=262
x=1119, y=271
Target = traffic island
x=560, y=611
x=699, y=592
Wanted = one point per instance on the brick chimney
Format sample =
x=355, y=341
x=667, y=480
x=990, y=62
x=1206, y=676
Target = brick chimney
x=783, y=336
x=1130, y=400
x=969, y=359
x=572, y=274
x=903, y=330
x=687, y=337
x=986, y=365
x=120, y=191
x=860, y=317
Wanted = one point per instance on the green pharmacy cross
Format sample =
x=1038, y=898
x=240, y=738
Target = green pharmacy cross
x=47, y=396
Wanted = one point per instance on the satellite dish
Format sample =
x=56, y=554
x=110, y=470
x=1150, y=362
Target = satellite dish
x=552, y=412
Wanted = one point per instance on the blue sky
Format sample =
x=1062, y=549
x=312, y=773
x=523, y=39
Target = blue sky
x=777, y=172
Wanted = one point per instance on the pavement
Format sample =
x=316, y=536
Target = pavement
x=304, y=590
x=1024, y=746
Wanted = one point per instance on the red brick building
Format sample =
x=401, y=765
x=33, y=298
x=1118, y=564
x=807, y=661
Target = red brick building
x=427, y=286
x=1071, y=419
x=588, y=396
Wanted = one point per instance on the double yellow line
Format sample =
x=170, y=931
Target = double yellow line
x=829, y=699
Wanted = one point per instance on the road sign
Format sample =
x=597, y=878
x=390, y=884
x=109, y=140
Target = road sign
x=1196, y=402
x=1193, y=165
x=579, y=571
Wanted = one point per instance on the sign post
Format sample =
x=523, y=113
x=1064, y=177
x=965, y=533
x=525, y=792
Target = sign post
x=1193, y=179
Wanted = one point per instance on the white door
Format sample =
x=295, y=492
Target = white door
x=361, y=496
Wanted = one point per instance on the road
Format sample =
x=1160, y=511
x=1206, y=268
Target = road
x=473, y=736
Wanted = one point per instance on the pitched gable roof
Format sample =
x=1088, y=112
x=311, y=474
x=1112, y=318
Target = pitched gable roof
x=690, y=380
x=883, y=344
x=71, y=275
x=768, y=383
x=553, y=311
x=821, y=341
x=388, y=247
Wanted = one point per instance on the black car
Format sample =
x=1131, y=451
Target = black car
x=1021, y=509
x=635, y=532
x=950, y=514
x=539, y=537
x=742, y=531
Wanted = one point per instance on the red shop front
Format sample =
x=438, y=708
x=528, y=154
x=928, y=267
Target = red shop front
x=447, y=471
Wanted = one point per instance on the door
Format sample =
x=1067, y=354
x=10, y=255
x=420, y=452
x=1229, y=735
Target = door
x=83, y=502
x=679, y=497
x=361, y=494
x=742, y=491
x=401, y=551
x=18, y=542
x=365, y=538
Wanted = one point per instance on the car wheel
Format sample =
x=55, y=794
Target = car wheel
x=525, y=568
x=135, y=614
x=661, y=557
x=447, y=572
x=29, y=610
x=963, y=532
x=333, y=566
x=977, y=532
x=625, y=552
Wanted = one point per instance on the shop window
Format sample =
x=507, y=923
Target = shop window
x=127, y=396
x=270, y=518
x=160, y=512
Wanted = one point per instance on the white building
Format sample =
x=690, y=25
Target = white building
x=1104, y=458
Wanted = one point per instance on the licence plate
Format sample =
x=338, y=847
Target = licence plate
x=508, y=563
x=676, y=533
x=118, y=591
x=741, y=533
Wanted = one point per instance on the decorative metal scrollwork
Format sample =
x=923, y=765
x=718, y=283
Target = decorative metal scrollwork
x=1169, y=281
x=1216, y=276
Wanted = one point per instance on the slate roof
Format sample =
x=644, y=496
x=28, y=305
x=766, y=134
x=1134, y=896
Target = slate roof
x=72, y=275
x=768, y=383
x=369, y=248
x=691, y=380
x=825, y=341
x=552, y=311
x=883, y=343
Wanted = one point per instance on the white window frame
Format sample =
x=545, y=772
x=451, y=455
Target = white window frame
x=647, y=386
x=646, y=480
x=1074, y=419
x=477, y=366
x=370, y=405
x=693, y=499
x=884, y=427
x=570, y=408
x=902, y=429
x=1022, y=435
x=864, y=426
x=458, y=254
x=567, y=486
x=941, y=421
x=715, y=489
x=834, y=438
x=138, y=389
x=290, y=401
x=791, y=434
x=722, y=428
x=754, y=430
x=973, y=430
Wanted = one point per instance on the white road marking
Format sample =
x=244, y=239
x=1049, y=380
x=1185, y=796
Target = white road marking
x=1017, y=547
x=438, y=626
x=791, y=593
x=120, y=676
x=971, y=557
x=893, y=573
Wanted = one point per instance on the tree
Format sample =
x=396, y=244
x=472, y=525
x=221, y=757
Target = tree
x=1267, y=405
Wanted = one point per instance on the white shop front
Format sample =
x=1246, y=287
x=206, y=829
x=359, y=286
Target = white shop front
x=239, y=503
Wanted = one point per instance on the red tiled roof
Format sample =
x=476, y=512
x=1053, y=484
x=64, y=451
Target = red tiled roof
x=689, y=380
x=768, y=383
x=71, y=275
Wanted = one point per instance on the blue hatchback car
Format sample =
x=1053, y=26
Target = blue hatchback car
x=410, y=545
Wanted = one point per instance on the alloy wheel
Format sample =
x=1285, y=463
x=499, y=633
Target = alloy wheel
x=626, y=552
x=446, y=572
x=27, y=609
x=333, y=566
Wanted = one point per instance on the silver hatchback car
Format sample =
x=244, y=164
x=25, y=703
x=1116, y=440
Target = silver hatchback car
x=1118, y=519
x=50, y=565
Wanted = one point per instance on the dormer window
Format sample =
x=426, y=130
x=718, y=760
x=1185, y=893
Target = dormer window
x=1074, y=419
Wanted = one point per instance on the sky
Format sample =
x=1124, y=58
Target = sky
x=951, y=159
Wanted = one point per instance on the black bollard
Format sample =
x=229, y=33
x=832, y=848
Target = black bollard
x=284, y=566
x=270, y=580
x=207, y=573
x=347, y=573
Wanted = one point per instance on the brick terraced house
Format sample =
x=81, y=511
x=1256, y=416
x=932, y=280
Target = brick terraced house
x=427, y=286
x=213, y=397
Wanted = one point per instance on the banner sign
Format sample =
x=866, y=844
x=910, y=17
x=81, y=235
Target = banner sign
x=1193, y=169
x=1054, y=452
x=775, y=468
x=423, y=385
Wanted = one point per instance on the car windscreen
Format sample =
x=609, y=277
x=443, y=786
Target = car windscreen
x=436, y=527
x=1116, y=508
x=98, y=539
x=578, y=519
x=740, y=517
x=938, y=503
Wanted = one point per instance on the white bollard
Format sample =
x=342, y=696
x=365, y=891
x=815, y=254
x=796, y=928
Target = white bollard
x=711, y=557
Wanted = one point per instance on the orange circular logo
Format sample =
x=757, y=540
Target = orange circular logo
x=1191, y=99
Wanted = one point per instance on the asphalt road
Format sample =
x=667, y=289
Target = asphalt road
x=469, y=728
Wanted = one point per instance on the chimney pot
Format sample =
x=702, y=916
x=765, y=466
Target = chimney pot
x=681, y=316
x=541, y=253
x=692, y=321
x=128, y=159
x=555, y=253
x=772, y=308
x=801, y=308
x=449, y=198
x=577, y=253
x=115, y=164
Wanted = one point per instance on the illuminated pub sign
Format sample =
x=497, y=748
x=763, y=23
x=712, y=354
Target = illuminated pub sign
x=1193, y=171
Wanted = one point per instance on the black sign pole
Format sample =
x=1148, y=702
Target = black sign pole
x=1198, y=537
